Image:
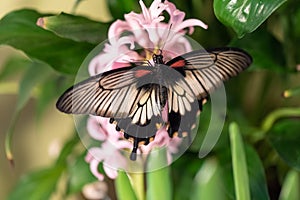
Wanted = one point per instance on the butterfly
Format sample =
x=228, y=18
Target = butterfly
x=135, y=97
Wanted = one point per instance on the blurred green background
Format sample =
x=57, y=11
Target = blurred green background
x=35, y=145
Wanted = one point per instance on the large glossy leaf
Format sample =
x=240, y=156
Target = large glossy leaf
x=76, y=28
x=285, y=137
x=19, y=30
x=245, y=16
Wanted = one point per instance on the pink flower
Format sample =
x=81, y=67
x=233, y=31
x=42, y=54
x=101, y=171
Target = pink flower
x=100, y=129
x=147, y=32
x=162, y=139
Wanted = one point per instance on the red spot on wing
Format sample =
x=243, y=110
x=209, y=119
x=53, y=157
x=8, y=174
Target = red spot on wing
x=179, y=63
x=141, y=73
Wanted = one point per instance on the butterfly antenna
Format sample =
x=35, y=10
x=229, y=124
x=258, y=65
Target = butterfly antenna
x=168, y=34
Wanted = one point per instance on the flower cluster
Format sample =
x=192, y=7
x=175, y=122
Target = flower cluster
x=144, y=31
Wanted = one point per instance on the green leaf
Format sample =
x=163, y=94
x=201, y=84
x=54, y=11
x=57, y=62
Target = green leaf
x=123, y=187
x=285, y=137
x=158, y=181
x=207, y=180
x=183, y=174
x=290, y=187
x=206, y=134
x=266, y=51
x=245, y=16
x=42, y=184
x=46, y=93
x=120, y=7
x=36, y=73
x=296, y=20
x=77, y=28
x=79, y=175
x=14, y=66
x=225, y=162
x=255, y=170
x=49, y=91
x=37, y=185
x=67, y=150
x=257, y=179
x=240, y=175
x=19, y=30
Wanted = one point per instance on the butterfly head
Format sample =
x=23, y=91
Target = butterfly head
x=158, y=58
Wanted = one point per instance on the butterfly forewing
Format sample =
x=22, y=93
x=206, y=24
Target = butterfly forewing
x=113, y=94
x=206, y=70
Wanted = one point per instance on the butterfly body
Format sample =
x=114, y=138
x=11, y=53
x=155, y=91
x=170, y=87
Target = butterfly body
x=142, y=99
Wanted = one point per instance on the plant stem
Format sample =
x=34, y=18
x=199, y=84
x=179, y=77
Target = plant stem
x=137, y=182
x=275, y=115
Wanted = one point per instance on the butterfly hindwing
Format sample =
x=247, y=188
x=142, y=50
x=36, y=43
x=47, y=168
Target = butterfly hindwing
x=181, y=125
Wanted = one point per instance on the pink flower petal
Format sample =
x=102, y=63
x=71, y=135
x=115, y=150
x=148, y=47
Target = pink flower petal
x=97, y=153
x=116, y=29
x=94, y=169
x=147, y=15
x=190, y=23
x=110, y=172
x=157, y=8
x=95, y=129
